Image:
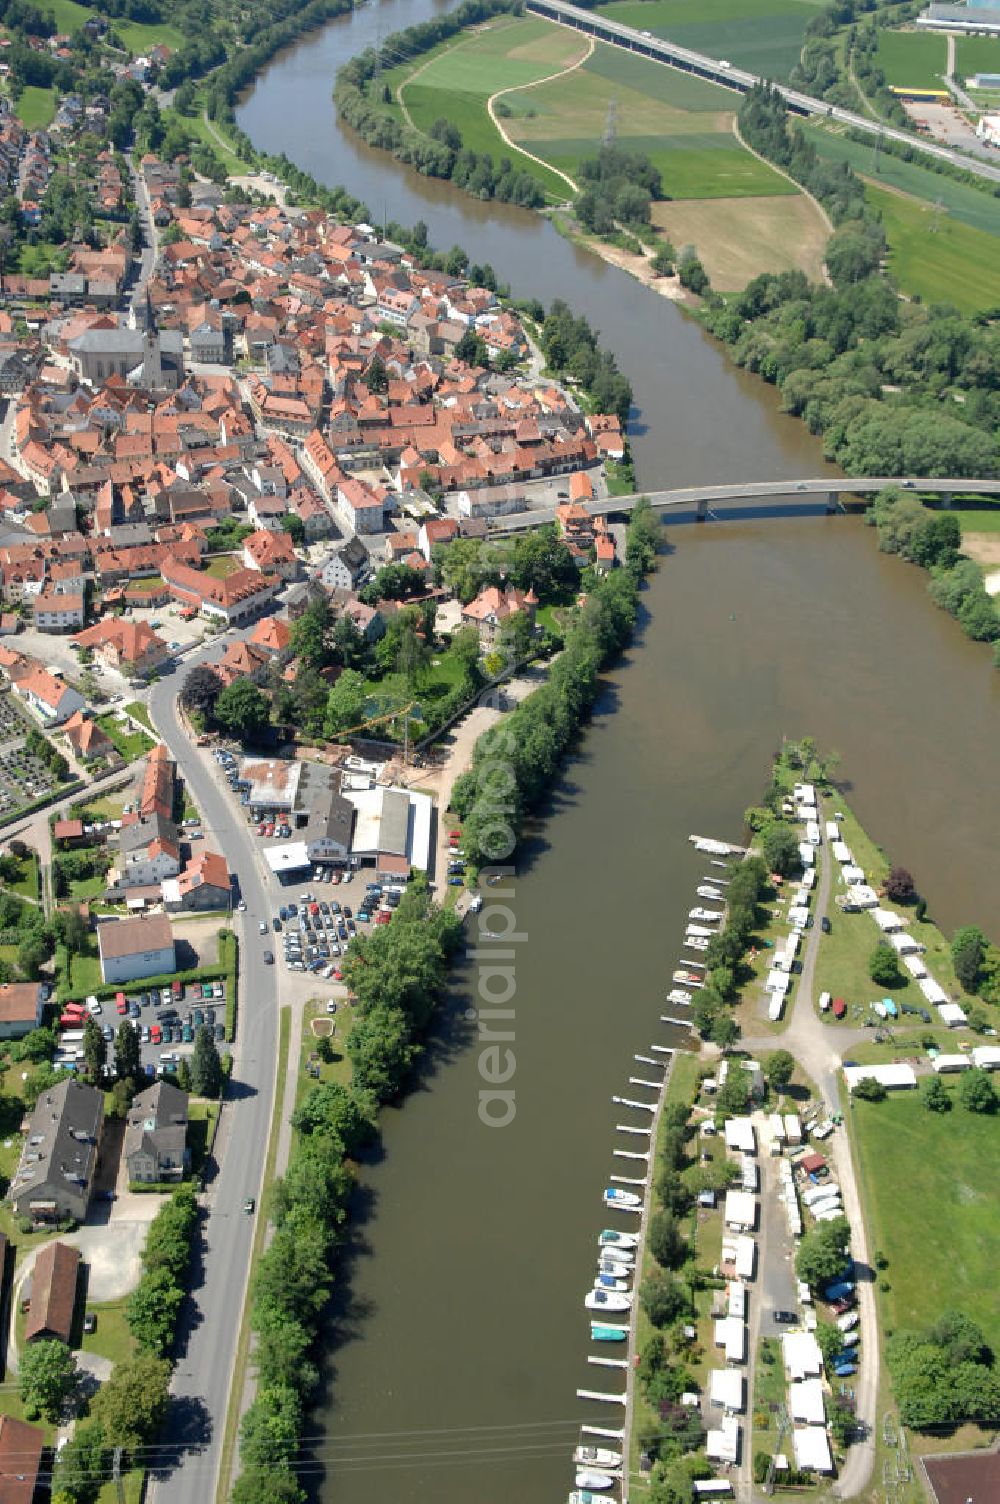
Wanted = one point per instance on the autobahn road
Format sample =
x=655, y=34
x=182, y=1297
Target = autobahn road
x=211, y=1320
x=663, y=51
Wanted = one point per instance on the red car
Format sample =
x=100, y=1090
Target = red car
x=314, y=908
x=383, y=916
x=454, y=835
x=838, y=1007
x=338, y=975
x=121, y=1005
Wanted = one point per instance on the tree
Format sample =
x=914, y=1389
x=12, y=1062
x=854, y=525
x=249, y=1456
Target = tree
x=977, y=1092
x=48, y=1377
x=272, y=1487
x=663, y=1298
x=200, y=691
x=735, y=1091
x=310, y=635
x=967, y=951
x=899, y=886
x=330, y=1107
x=345, y=704
x=81, y=1466
x=151, y=1311
x=95, y=1050
x=377, y=378
x=666, y=1241
x=780, y=847
x=128, y=1056
x=779, y=1068
x=935, y=1096
x=242, y=710
x=295, y=528
x=883, y=967
x=206, y=1067
x=269, y=1430
x=131, y=1403
x=870, y=1089
x=823, y=1252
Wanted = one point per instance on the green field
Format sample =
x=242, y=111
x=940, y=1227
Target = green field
x=764, y=36
x=129, y=743
x=139, y=37
x=977, y=55
x=985, y=519
x=681, y=123
x=36, y=107
x=67, y=14
x=456, y=81
x=934, y=1209
x=912, y=59
x=954, y=264
x=968, y=205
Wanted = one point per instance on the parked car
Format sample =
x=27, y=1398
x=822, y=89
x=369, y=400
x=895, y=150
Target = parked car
x=785, y=1318
x=220, y=1033
x=825, y=925
x=268, y=958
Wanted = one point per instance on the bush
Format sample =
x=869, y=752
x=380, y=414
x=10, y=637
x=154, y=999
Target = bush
x=883, y=966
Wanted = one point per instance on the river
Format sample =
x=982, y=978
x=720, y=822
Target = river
x=461, y=1336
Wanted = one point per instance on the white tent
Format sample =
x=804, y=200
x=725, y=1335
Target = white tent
x=746, y=1257
x=950, y=1063
x=806, y=1402
x=737, y=1299
x=811, y=1447
x=889, y=1076
x=905, y=945
x=832, y=831
x=798, y=916
x=952, y=1015
x=776, y=1006
x=777, y=981
x=887, y=920
x=932, y=991
x=862, y=896
x=802, y=1356
x=841, y=851
x=852, y=873
x=723, y=1444
x=986, y=1057
x=740, y=1135
x=808, y=878
x=807, y=853
x=741, y=1210
x=731, y=1334
x=915, y=966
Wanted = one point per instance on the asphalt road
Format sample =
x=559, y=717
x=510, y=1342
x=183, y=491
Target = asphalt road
x=211, y=1318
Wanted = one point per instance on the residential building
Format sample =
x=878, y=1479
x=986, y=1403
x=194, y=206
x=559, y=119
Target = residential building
x=271, y=553
x=156, y=793
x=234, y=600
x=348, y=568
x=54, y=1281
x=55, y=612
x=51, y=700
x=203, y=885
x=131, y=647
x=55, y=1177
x=148, y=852
x=87, y=739
x=21, y=1448
x=493, y=606
x=155, y=1147
x=21, y=1006
x=131, y=949
x=362, y=508
x=271, y=636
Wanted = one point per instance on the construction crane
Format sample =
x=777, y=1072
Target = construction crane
x=389, y=715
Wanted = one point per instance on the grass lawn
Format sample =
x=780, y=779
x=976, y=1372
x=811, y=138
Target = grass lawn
x=456, y=82
x=69, y=16
x=198, y=127
x=26, y=885
x=981, y=519
x=84, y=977
x=133, y=1483
x=8, y=955
x=131, y=744
x=682, y=124
x=140, y=36
x=954, y=264
x=139, y=713
x=338, y=1069
x=220, y=566
x=83, y=889
x=37, y=107
x=112, y=1338
x=203, y=1120
x=912, y=59
x=765, y=36
x=968, y=205
x=932, y=1210
x=108, y=807
x=977, y=55
x=738, y=238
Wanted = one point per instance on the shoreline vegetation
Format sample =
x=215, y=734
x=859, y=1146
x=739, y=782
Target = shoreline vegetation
x=397, y=978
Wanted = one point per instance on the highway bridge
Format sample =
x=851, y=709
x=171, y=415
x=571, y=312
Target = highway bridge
x=827, y=489
x=721, y=72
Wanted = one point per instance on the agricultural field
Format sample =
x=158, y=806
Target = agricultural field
x=977, y=55
x=737, y=238
x=950, y=1211
x=683, y=124
x=912, y=59
x=954, y=264
x=764, y=36
x=968, y=205
x=36, y=108
x=456, y=81
x=68, y=15
x=139, y=36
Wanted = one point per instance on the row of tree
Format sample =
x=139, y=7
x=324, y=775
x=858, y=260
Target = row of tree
x=619, y=187
x=398, y=975
x=571, y=347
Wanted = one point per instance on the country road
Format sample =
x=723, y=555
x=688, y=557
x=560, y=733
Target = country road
x=210, y=1320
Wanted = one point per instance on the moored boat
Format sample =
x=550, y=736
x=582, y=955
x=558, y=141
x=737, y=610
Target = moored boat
x=614, y=1196
x=591, y=1477
x=623, y=1239
x=700, y=912
x=601, y=1333
x=607, y=1300
x=610, y=1282
x=678, y=995
x=602, y=1457
x=689, y=978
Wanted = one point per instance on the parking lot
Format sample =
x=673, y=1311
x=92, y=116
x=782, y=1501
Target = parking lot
x=167, y=1019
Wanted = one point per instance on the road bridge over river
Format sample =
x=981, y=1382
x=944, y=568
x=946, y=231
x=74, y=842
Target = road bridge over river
x=719, y=72
x=827, y=489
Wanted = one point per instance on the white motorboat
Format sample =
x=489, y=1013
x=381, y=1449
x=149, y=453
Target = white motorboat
x=614, y=1196
x=607, y=1300
x=612, y=1255
x=699, y=931
x=616, y=1267
x=712, y=915
x=609, y=1282
x=696, y=942
x=678, y=995
x=611, y=1236
x=589, y=1477
x=689, y=978
x=705, y=890
x=602, y=1457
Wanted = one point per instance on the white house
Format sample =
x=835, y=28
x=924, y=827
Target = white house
x=134, y=948
x=51, y=700
x=56, y=612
